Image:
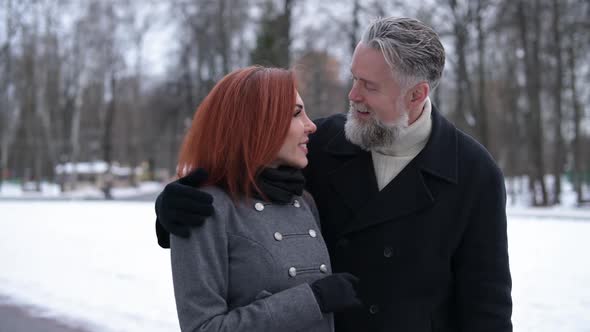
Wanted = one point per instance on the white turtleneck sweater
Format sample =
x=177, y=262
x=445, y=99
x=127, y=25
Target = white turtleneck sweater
x=390, y=161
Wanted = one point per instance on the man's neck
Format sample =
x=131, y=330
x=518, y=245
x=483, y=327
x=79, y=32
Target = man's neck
x=414, y=137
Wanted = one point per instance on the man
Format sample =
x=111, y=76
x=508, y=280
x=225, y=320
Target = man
x=412, y=206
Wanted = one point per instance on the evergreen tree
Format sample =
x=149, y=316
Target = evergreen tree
x=273, y=40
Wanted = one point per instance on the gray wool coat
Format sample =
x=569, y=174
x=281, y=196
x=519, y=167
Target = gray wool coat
x=249, y=267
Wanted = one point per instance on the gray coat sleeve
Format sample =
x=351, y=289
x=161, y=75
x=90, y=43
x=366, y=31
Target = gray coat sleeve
x=200, y=276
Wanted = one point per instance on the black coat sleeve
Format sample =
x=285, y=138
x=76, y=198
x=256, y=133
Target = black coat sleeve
x=482, y=273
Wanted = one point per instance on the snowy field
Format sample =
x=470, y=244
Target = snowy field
x=97, y=263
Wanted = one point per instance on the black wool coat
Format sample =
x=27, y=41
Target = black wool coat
x=430, y=249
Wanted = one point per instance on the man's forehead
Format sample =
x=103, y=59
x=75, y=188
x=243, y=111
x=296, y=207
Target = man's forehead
x=364, y=76
x=368, y=63
x=371, y=72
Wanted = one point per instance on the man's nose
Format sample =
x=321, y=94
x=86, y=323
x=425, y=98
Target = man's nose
x=354, y=93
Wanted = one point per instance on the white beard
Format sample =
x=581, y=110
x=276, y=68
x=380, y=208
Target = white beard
x=372, y=134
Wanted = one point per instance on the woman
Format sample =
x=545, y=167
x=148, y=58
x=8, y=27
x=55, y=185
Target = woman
x=261, y=263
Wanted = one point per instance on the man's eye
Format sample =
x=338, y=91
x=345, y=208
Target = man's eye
x=370, y=87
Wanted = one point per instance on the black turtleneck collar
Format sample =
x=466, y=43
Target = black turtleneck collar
x=280, y=184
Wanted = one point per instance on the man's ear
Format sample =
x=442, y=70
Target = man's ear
x=417, y=94
x=415, y=99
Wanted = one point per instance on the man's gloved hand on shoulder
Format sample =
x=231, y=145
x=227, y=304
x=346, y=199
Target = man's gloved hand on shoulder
x=181, y=205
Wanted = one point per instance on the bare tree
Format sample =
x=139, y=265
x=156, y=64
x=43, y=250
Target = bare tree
x=113, y=62
x=577, y=32
x=320, y=87
x=72, y=105
x=30, y=90
x=530, y=46
x=512, y=122
x=9, y=109
x=76, y=88
x=461, y=14
x=353, y=32
x=578, y=112
x=139, y=27
x=482, y=110
x=49, y=94
x=558, y=159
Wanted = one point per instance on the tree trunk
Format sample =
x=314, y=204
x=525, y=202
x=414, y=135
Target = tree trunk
x=285, y=34
x=30, y=132
x=5, y=98
x=531, y=59
x=482, y=106
x=353, y=39
x=223, y=35
x=465, y=105
x=134, y=132
x=107, y=139
x=75, y=139
x=75, y=103
x=577, y=141
x=558, y=159
x=187, y=81
x=511, y=129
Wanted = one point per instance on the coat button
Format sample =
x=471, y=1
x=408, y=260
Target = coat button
x=323, y=268
x=259, y=206
x=312, y=233
x=373, y=309
x=292, y=271
x=278, y=236
x=296, y=203
x=388, y=252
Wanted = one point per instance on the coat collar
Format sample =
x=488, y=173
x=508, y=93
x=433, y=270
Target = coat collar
x=439, y=156
x=407, y=193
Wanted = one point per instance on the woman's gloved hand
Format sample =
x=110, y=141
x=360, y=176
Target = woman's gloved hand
x=337, y=292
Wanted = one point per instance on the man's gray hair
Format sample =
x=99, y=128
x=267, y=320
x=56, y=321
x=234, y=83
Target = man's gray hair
x=411, y=48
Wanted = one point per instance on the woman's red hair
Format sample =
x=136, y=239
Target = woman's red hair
x=240, y=127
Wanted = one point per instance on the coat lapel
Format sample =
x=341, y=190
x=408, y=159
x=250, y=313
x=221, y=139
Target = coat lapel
x=406, y=194
x=355, y=181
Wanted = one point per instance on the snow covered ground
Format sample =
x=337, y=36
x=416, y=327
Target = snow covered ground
x=50, y=191
x=98, y=262
x=91, y=261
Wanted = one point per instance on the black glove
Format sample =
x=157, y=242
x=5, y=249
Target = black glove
x=337, y=292
x=181, y=205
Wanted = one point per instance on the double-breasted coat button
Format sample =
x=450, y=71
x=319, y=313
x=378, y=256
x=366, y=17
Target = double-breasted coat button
x=388, y=252
x=373, y=309
x=323, y=268
x=259, y=206
x=312, y=233
x=296, y=203
x=292, y=271
x=278, y=236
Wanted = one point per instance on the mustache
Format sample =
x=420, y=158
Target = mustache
x=353, y=106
